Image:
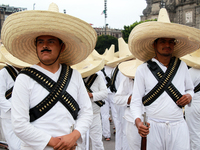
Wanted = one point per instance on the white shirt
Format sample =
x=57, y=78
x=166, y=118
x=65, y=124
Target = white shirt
x=27, y=93
x=6, y=83
x=164, y=108
x=195, y=76
x=99, y=92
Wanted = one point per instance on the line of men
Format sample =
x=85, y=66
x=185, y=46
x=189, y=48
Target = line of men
x=51, y=102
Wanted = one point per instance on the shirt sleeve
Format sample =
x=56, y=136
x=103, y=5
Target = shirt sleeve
x=189, y=86
x=136, y=105
x=85, y=114
x=31, y=135
x=124, y=91
x=102, y=93
x=5, y=104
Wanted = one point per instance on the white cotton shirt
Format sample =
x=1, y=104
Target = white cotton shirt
x=99, y=92
x=27, y=93
x=164, y=108
x=6, y=83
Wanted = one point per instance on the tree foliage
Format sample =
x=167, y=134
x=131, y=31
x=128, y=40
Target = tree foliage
x=105, y=41
x=127, y=29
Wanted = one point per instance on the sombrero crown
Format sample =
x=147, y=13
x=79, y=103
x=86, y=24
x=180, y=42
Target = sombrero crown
x=143, y=35
x=90, y=65
x=20, y=30
x=7, y=58
x=193, y=59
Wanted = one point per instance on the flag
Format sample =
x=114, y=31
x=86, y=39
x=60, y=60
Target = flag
x=103, y=12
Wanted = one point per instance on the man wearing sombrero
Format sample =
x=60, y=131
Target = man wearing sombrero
x=192, y=113
x=51, y=108
x=162, y=84
x=8, y=75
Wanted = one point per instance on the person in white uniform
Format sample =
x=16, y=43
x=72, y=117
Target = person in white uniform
x=192, y=113
x=123, y=98
x=97, y=92
x=8, y=75
x=51, y=108
x=162, y=84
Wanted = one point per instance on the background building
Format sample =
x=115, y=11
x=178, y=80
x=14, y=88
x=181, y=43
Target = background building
x=6, y=10
x=186, y=12
x=109, y=31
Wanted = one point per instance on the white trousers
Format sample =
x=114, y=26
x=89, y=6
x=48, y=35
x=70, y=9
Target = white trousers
x=12, y=140
x=192, y=115
x=133, y=137
x=168, y=136
x=95, y=134
x=121, y=142
x=105, y=114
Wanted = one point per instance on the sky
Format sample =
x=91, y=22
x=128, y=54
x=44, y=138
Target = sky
x=119, y=12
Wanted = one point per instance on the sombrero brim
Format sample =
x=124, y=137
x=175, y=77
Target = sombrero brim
x=94, y=67
x=128, y=68
x=191, y=61
x=20, y=30
x=2, y=65
x=116, y=61
x=9, y=59
x=143, y=35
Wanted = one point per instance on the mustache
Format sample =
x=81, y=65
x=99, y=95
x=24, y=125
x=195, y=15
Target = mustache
x=167, y=47
x=47, y=50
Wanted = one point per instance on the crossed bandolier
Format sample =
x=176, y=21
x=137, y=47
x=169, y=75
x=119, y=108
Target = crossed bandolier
x=164, y=82
x=88, y=85
x=57, y=92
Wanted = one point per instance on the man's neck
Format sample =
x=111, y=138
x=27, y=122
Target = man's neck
x=52, y=68
x=165, y=60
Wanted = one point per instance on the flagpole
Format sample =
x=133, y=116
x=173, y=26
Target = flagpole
x=105, y=9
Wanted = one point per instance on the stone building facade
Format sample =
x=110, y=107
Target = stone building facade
x=186, y=12
x=109, y=31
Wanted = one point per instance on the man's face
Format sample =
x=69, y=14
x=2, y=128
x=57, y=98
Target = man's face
x=48, y=48
x=164, y=46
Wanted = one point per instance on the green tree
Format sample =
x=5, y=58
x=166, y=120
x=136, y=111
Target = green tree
x=127, y=29
x=105, y=41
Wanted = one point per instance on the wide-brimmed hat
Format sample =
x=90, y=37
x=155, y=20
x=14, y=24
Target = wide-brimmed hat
x=89, y=66
x=143, y=35
x=7, y=58
x=193, y=59
x=128, y=68
x=113, y=59
x=20, y=30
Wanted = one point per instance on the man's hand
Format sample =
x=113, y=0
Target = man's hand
x=129, y=99
x=90, y=94
x=184, y=100
x=53, y=141
x=68, y=142
x=142, y=129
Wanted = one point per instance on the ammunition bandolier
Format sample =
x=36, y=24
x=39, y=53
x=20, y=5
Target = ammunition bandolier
x=164, y=82
x=106, y=77
x=88, y=85
x=197, y=88
x=13, y=74
x=57, y=92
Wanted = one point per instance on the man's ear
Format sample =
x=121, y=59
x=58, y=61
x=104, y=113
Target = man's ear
x=63, y=47
x=153, y=45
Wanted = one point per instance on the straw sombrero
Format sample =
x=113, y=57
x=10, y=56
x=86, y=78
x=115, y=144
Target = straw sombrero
x=113, y=59
x=7, y=58
x=193, y=59
x=143, y=35
x=89, y=66
x=20, y=30
x=128, y=68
